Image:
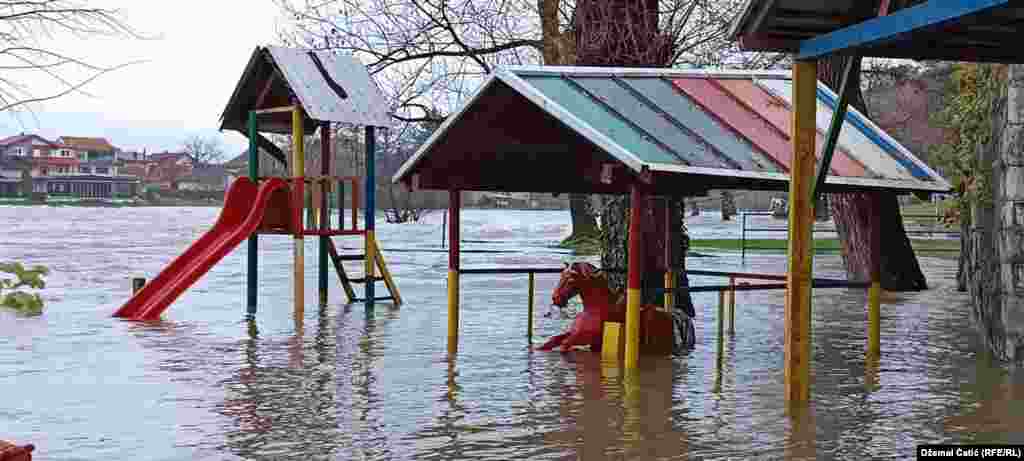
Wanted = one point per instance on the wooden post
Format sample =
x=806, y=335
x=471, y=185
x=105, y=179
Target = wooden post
x=325, y=170
x=801, y=218
x=671, y=246
x=369, y=212
x=635, y=274
x=251, y=279
x=529, y=310
x=137, y=284
x=298, y=174
x=875, y=292
x=454, y=203
x=732, y=305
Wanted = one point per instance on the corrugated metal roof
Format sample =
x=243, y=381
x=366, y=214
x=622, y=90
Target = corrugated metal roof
x=952, y=30
x=362, y=104
x=330, y=86
x=706, y=123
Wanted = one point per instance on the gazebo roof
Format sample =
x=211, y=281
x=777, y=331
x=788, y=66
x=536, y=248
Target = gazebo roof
x=952, y=30
x=330, y=86
x=595, y=130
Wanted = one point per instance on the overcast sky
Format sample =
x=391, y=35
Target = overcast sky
x=193, y=65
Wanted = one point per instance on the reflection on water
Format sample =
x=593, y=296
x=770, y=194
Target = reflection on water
x=336, y=383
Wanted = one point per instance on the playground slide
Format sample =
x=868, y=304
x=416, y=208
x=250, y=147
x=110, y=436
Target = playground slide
x=244, y=206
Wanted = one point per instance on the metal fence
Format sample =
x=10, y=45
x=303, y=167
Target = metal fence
x=932, y=232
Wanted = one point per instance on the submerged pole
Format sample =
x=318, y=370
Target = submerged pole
x=635, y=274
x=298, y=202
x=369, y=211
x=875, y=292
x=529, y=310
x=325, y=171
x=454, y=203
x=251, y=278
x=800, y=248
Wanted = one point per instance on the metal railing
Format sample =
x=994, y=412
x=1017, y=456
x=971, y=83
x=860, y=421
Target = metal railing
x=737, y=282
x=744, y=229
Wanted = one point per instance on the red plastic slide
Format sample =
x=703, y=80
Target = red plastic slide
x=244, y=206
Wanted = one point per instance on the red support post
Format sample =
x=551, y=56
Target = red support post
x=634, y=275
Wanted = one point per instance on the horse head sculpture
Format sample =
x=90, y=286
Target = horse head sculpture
x=572, y=282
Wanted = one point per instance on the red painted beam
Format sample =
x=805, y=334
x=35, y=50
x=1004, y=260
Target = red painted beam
x=454, y=204
x=777, y=112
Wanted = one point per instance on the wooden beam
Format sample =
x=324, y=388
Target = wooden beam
x=877, y=31
x=838, y=117
x=801, y=243
x=274, y=110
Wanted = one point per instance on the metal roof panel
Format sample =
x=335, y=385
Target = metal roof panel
x=361, y=103
x=601, y=118
x=739, y=152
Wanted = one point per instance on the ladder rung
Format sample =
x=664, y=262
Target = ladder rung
x=383, y=298
x=351, y=257
x=363, y=279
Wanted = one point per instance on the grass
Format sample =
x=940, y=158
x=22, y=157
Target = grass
x=944, y=247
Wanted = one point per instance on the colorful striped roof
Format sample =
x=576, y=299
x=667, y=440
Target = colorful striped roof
x=722, y=129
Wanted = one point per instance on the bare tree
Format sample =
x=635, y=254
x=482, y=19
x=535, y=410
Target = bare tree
x=203, y=151
x=28, y=58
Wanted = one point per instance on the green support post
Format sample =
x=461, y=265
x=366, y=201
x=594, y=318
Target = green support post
x=325, y=170
x=253, y=253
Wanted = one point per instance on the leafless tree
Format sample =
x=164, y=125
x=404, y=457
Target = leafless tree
x=29, y=59
x=203, y=151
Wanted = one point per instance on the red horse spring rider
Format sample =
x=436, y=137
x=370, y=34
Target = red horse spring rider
x=601, y=305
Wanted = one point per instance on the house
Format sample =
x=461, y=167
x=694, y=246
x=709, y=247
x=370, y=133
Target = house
x=57, y=168
x=167, y=168
x=208, y=178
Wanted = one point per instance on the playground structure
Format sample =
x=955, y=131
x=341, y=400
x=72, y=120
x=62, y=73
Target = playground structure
x=296, y=92
x=950, y=30
x=657, y=134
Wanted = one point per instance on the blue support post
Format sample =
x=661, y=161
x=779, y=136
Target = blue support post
x=253, y=252
x=369, y=211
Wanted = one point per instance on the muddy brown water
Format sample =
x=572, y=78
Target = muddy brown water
x=337, y=383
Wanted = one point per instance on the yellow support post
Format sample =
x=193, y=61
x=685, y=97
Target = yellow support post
x=529, y=310
x=298, y=173
x=875, y=292
x=611, y=341
x=732, y=305
x=384, y=272
x=670, y=285
x=801, y=218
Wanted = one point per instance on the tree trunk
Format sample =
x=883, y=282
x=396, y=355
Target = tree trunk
x=624, y=33
x=900, y=269
x=584, y=221
x=728, y=206
x=995, y=268
x=559, y=48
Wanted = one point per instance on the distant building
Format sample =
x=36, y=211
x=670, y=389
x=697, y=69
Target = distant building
x=58, y=168
x=209, y=178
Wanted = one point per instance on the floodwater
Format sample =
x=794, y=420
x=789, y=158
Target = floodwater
x=337, y=383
